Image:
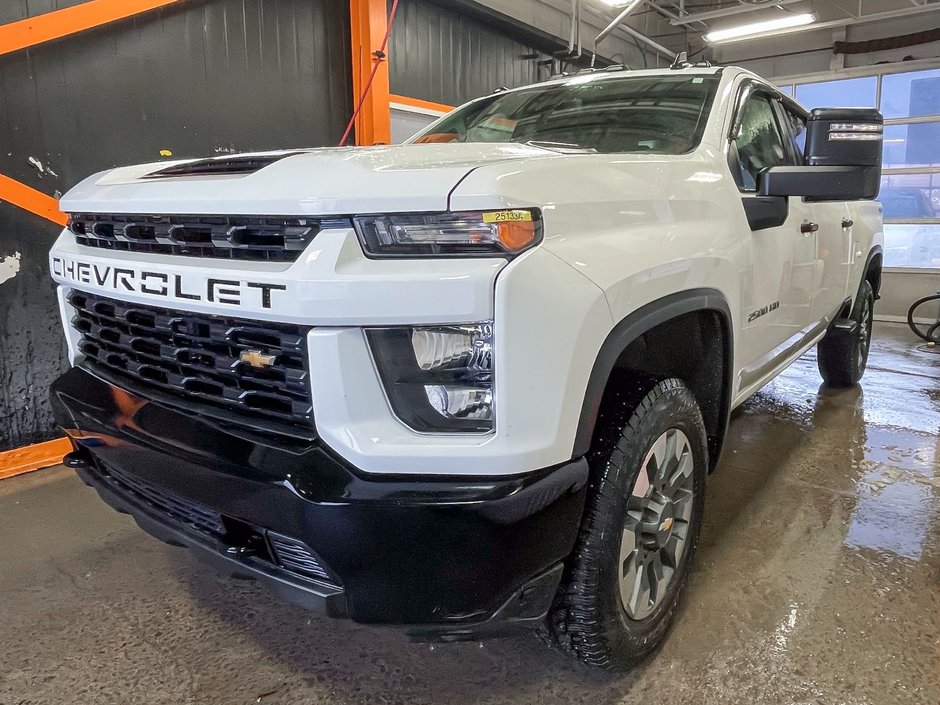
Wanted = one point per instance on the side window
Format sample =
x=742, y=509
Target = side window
x=760, y=145
x=797, y=129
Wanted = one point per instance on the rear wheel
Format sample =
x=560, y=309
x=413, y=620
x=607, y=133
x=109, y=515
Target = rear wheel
x=843, y=354
x=640, y=530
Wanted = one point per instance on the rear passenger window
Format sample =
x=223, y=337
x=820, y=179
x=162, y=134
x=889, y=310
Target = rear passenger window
x=760, y=145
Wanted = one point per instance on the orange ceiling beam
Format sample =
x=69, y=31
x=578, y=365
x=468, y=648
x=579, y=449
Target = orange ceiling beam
x=27, y=198
x=23, y=34
x=368, y=20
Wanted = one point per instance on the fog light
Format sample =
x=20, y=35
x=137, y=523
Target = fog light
x=461, y=402
x=438, y=378
x=469, y=347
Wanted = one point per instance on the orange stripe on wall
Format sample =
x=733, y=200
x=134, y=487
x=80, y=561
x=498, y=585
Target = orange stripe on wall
x=61, y=23
x=12, y=191
x=29, y=458
x=418, y=103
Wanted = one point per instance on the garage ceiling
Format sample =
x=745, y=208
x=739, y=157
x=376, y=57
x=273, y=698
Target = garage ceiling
x=699, y=17
x=681, y=25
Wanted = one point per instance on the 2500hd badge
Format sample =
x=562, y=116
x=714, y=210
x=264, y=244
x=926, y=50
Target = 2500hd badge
x=232, y=292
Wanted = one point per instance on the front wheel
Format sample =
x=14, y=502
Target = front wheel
x=640, y=530
x=843, y=354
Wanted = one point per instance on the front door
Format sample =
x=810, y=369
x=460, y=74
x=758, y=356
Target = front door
x=830, y=243
x=782, y=276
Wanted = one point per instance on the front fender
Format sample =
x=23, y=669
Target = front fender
x=630, y=329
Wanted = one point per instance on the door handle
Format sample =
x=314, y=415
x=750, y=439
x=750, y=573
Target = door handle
x=808, y=227
x=846, y=223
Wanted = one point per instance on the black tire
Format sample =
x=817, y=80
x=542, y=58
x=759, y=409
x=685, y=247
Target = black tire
x=590, y=619
x=842, y=357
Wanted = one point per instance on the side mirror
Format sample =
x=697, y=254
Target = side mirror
x=842, y=157
x=821, y=183
x=844, y=137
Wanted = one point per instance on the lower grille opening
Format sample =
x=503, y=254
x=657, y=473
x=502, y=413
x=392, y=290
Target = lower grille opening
x=236, y=537
x=297, y=556
x=185, y=511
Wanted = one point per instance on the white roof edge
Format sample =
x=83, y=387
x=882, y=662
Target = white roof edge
x=604, y=74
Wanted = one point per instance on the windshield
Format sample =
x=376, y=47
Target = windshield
x=657, y=114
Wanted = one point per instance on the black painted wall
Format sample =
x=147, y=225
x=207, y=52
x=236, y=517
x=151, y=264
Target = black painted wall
x=450, y=55
x=210, y=76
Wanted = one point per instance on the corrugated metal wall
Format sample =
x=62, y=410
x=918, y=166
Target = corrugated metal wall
x=439, y=54
x=211, y=76
x=13, y=10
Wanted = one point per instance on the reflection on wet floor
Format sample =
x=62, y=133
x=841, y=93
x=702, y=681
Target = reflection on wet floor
x=817, y=581
x=890, y=432
x=896, y=492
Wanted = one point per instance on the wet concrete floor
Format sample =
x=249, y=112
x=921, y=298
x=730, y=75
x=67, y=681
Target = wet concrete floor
x=818, y=581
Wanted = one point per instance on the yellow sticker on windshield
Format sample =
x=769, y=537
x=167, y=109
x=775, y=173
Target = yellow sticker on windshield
x=507, y=217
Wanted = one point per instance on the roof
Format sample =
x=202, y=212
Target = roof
x=589, y=75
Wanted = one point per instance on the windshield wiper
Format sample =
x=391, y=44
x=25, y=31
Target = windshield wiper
x=560, y=146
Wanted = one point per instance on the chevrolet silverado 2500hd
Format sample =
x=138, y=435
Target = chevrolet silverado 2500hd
x=474, y=382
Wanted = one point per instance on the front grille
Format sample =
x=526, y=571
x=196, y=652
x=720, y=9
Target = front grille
x=256, y=238
x=198, y=356
x=192, y=514
x=296, y=556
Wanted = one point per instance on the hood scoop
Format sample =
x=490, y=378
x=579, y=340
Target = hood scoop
x=221, y=166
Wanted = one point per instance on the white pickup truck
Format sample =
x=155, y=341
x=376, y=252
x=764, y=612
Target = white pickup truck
x=474, y=382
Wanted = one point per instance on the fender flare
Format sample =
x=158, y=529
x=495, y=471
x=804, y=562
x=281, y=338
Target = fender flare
x=876, y=251
x=632, y=328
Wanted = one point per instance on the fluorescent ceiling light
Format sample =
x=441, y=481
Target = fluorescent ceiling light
x=763, y=28
x=616, y=3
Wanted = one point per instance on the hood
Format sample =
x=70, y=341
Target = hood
x=331, y=181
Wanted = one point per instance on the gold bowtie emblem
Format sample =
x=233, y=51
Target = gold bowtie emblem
x=256, y=358
x=666, y=525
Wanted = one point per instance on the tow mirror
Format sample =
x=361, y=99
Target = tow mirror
x=842, y=157
x=844, y=137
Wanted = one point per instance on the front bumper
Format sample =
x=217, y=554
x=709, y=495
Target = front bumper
x=446, y=559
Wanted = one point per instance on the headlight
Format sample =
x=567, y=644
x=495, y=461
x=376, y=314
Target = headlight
x=439, y=379
x=475, y=233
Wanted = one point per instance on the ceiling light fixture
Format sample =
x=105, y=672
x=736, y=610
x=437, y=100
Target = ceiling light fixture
x=616, y=3
x=765, y=28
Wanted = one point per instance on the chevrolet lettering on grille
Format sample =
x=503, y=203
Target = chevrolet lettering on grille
x=232, y=292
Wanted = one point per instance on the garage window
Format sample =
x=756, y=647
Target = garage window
x=849, y=93
x=910, y=185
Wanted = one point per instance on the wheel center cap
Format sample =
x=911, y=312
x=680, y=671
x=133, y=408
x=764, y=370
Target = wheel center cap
x=658, y=522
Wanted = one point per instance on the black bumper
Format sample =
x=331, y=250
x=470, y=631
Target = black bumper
x=448, y=559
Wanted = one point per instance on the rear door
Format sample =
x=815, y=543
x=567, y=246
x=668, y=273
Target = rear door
x=777, y=288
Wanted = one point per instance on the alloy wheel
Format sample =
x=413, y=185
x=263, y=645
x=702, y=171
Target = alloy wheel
x=656, y=532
